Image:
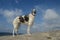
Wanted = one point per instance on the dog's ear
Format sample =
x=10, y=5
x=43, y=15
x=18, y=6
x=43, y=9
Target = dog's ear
x=34, y=10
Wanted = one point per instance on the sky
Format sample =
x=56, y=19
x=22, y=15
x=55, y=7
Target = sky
x=46, y=19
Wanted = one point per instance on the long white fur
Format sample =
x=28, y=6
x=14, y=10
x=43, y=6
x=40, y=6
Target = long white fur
x=16, y=24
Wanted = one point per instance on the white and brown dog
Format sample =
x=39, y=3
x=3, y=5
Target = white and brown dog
x=26, y=19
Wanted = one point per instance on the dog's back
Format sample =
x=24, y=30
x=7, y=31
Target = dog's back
x=24, y=18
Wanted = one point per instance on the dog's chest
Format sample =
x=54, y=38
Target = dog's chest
x=31, y=17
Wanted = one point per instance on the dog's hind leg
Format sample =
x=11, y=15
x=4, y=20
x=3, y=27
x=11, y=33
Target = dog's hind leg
x=15, y=29
x=13, y=33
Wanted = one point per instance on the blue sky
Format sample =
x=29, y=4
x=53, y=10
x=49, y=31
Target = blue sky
x=47, y=17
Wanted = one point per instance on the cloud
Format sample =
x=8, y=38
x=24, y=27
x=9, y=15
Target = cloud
x=51, y=19
x=11, y=14
x=50, y=14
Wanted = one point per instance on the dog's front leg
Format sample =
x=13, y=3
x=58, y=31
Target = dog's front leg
x=28, y=30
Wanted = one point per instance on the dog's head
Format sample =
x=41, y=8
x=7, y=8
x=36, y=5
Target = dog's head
x=34, y=12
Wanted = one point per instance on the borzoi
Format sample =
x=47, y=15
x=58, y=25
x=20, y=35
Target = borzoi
x=26, y=19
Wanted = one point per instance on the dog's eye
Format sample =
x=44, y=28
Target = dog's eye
x=35, y=12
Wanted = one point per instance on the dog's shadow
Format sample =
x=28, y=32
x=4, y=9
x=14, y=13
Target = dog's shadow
x=8, y=34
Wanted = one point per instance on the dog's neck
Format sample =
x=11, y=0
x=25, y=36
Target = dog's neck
x=33, y=14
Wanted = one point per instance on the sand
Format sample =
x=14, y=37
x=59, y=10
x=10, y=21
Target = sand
x=54, y=35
